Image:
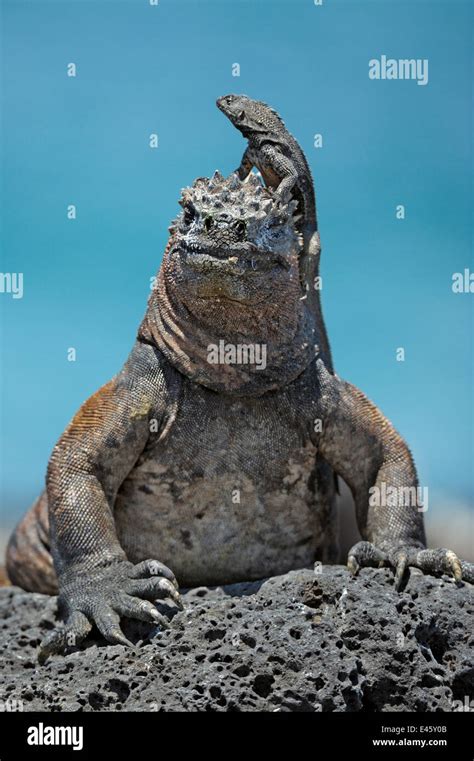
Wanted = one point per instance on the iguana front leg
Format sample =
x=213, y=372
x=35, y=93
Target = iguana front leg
x=367, y=452
x=97, y=583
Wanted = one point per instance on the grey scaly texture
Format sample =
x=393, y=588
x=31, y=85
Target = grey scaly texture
x=221, y=471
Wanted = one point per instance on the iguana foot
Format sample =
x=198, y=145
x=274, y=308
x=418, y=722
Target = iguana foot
x=436, y=561
x=103, y=595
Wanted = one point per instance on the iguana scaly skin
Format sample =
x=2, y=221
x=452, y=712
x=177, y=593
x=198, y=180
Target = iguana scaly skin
x=218, y=470
x=283, y=166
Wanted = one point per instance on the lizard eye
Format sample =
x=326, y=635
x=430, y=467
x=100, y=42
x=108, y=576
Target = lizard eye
x=241, y=116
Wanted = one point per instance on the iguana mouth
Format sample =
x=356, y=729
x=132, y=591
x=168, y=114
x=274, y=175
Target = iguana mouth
x=236, y=259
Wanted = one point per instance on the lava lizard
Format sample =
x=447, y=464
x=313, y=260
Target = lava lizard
x=283, y=166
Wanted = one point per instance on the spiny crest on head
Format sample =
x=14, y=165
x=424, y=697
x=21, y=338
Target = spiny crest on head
x=242, y=199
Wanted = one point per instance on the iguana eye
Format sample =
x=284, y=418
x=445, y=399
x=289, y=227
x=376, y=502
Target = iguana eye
x=189, y=214
x=241, y=116
x=240, y=228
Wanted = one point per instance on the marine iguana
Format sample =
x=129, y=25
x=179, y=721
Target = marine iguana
x=217, y=470
x=283, y=166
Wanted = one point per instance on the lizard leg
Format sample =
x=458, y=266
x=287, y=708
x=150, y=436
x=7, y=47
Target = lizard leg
x=245, y=166
x=285, y=187
x=274, y=164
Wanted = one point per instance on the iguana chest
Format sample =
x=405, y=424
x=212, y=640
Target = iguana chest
x=227, y=494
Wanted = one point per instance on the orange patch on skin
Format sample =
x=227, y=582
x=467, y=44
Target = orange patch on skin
x=93, y=412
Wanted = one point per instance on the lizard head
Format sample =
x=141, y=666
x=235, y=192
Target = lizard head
x=249, y=116
x=234, y=240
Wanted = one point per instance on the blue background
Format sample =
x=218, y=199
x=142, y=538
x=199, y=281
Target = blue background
x=144, y=69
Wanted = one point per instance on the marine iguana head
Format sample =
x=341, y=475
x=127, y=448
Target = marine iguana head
x=250, y=116
x=231, y=273
x=234, y=241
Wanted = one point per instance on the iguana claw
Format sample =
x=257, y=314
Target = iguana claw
x=432, y=561
x=104, y=595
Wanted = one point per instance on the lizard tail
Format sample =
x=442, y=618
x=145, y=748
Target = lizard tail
x=309, y=269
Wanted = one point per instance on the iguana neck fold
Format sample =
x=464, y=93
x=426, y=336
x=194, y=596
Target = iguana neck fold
x=185, y=329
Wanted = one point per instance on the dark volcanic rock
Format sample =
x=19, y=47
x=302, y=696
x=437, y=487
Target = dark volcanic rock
x=301, y=642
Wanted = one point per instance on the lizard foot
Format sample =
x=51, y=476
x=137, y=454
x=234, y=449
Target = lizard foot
x=401, y=558
x=103, y=595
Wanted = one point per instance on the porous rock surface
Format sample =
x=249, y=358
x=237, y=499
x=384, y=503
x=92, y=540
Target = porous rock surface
x=304, y=641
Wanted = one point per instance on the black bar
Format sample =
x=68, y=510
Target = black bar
x=136, y=735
